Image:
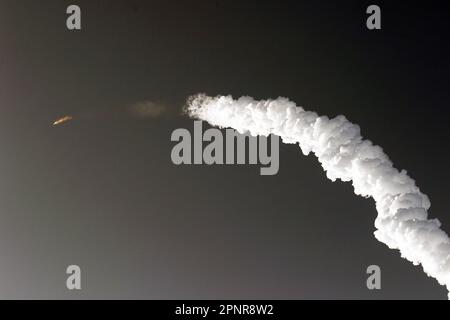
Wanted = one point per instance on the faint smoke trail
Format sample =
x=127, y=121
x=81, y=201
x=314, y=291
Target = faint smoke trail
x=147, y=109
x=402, y=222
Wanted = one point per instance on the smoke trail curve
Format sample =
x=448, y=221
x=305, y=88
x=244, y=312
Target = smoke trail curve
x=402, y=222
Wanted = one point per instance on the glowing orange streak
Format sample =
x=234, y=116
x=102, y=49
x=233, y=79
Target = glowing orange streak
x=62, y=120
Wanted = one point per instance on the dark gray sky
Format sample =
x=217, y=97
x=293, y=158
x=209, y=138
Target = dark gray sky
x=101, y=191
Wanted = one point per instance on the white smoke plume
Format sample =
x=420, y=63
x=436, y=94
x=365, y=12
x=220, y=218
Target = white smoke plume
x=402, y=222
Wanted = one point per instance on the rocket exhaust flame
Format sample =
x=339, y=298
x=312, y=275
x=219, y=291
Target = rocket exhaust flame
x=62, y=120
x=402, y=222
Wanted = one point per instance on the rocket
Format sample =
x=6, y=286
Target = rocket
x=62, y=120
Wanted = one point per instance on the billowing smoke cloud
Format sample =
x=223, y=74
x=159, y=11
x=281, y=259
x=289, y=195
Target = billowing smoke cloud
x=402, y=222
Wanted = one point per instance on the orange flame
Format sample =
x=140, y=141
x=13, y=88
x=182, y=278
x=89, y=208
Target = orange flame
x=62, y=120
